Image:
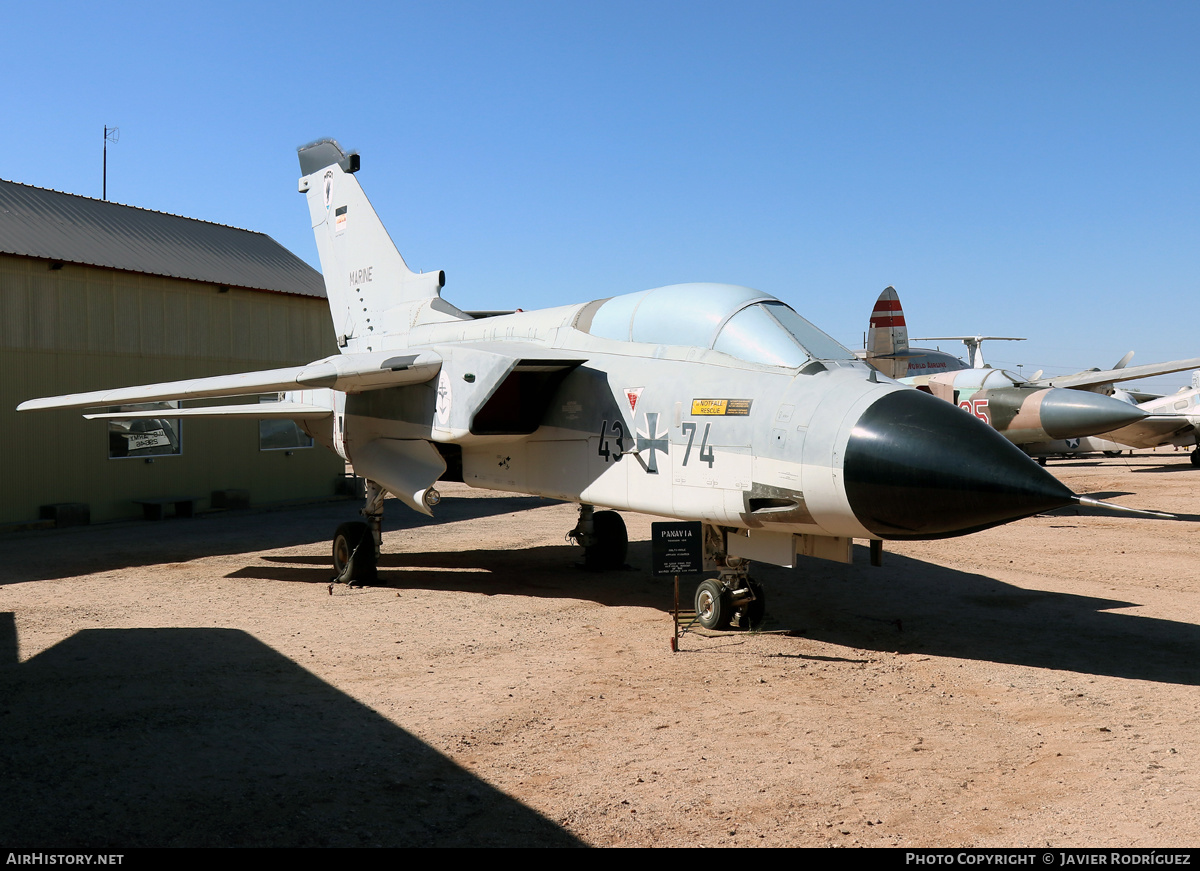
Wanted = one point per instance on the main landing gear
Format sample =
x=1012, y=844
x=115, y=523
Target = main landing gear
x=733, y=598
x=1196, y=456
x=603, y=538
x=356, y=545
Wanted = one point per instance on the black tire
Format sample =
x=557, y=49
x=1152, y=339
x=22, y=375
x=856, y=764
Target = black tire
x=713, y=606
x=756, y=610
x=1196, y=457
x=354, y=553
x=1111, y=454
x=611, y=542
x=1041, y=461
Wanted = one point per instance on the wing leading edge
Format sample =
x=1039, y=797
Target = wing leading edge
x=1083, y=380
x=350, y=373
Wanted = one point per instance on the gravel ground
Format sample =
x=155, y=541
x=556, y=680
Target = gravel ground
x=199, y=682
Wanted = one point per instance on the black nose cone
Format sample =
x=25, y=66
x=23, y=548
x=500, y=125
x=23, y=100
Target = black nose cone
x=918, y=467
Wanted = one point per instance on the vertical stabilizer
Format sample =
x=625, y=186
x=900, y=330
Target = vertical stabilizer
x=372, y=292
x=888, y=335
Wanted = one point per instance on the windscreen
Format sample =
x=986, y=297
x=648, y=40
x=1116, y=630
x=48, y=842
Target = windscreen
x=771, y=333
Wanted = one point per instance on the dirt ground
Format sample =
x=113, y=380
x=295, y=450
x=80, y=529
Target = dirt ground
x=198, y=682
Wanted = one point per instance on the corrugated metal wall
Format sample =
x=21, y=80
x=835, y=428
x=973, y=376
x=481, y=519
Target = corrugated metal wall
x=84, y=328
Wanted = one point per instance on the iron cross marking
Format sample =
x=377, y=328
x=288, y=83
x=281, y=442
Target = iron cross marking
x=651, y=441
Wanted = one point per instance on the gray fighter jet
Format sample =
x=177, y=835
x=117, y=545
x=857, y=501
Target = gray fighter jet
x=702, y=402
x=1170, y=420
x=1026, y=412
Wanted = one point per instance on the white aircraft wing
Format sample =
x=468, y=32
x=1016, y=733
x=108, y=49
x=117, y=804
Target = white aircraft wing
x=1109, y=376
x=968, y=339
x=351, y=373
x=1151, y=432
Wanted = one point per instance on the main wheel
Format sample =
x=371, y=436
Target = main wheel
x=611, y=542
x=354, y=552
x=1196, y=457
x=713, y=606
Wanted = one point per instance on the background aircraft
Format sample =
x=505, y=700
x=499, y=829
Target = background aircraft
x=887, y=343
x=1170, y=420
x=1026, y=411
x=703, y=402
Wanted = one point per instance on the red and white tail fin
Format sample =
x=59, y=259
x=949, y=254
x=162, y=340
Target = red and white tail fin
x=887, y=338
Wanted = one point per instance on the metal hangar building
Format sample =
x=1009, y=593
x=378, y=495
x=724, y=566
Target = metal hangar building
x=95, y=294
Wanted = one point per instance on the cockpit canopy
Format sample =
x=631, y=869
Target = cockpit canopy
x=739, y=321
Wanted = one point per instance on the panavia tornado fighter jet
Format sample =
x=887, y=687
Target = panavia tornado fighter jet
x=1026, y=412
x=701, y=402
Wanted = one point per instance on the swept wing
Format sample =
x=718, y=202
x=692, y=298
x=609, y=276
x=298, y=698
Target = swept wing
x=1097, y=378
x=351, y=373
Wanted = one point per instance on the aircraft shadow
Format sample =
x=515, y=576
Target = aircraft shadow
x=908, y=606
x=911, y=606
x=551, y=572
x=207, y=737
x=1166, y=468
x=64, y=553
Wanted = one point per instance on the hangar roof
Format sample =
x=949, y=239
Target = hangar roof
x=36, y=222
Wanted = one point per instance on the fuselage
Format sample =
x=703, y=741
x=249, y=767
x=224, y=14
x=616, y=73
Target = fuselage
x=690, y=431
x=1170, y=420
x=1027, y=414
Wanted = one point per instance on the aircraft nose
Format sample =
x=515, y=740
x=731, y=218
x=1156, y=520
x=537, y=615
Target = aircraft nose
x=918, y=467
x=1073, y=413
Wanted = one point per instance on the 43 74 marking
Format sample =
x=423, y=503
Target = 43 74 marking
x=617, y=435
x=706, y=452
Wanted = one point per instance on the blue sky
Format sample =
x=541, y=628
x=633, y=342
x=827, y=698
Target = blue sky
x=1013, y=168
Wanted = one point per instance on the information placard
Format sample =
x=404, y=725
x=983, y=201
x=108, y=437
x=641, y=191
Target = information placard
x=678, y=547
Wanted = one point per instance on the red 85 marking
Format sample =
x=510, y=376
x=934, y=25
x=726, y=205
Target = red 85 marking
x=977, y=407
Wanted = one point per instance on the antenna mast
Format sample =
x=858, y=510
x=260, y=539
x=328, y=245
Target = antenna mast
x=111, y=134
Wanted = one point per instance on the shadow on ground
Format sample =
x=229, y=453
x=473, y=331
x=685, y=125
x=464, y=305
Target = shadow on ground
x=206, y=737
x=64, y=553
x=908, y=605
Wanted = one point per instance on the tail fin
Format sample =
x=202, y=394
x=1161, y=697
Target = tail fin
x=371, y=289
x=888, y=336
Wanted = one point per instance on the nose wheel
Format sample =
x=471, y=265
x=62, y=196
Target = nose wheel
x=756, y=608
x=721, y=605
x=733, y=598
x=714, y=605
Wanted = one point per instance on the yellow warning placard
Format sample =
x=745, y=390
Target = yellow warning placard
x=721, y=407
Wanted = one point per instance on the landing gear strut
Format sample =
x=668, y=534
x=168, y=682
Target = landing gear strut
x=733, y=597
x=356, y=545
x=603, y=538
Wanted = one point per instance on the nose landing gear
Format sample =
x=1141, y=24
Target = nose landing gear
x=732, y=598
